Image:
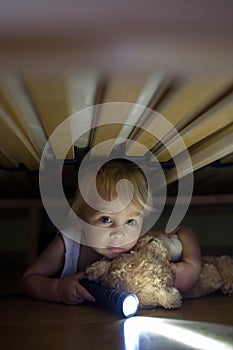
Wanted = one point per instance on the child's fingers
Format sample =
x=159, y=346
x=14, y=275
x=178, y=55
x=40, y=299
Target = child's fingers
x=79, y=276
x=173, y=267
x=81, y=291
x=84, y=293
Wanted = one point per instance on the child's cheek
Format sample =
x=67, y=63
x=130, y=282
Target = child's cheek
x=95, y=236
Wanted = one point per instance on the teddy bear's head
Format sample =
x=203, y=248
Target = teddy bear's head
x=143, y=271
x=152, y=246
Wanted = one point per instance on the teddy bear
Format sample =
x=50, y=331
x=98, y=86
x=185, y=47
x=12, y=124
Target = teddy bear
x=144, y=271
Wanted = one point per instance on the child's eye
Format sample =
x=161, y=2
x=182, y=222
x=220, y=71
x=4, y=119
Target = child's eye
x=105, y=220
x=131, y=222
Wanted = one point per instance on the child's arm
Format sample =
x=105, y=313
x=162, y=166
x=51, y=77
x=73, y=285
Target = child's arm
x=37, y=281
x=188, y=269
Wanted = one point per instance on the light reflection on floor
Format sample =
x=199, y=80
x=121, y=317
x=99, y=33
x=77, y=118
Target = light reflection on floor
x=142, y=333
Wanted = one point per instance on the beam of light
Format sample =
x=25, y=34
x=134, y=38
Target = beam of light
x=136, y=326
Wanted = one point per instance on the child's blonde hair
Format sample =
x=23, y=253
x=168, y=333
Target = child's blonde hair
x=107, y=178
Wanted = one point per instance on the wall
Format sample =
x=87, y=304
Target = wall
x=14, y=232
x=213, y=225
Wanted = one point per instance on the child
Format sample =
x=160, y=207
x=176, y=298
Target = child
x=110, y=227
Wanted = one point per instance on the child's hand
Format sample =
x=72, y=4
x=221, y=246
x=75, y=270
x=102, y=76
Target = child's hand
x=186, y=275
x=71, y=292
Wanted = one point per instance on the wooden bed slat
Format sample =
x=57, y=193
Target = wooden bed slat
x=180, y=108
x=32, y=106
x=228, y=159
x=19, y=105
x=6, y=160
x=149, y=97
x=15, y=143
x=193, y=96
x=215, y=119
x=119, y=88
x=82, y=91
x=215, y=147
x=50, y=97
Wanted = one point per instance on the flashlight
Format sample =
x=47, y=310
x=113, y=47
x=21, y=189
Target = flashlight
x=122, y=303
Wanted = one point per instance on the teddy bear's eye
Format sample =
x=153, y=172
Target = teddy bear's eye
x=105, y=220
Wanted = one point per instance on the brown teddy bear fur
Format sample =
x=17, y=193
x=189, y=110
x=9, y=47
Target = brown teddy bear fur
x=145, y=272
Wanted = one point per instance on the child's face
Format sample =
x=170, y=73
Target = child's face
x=111, y=234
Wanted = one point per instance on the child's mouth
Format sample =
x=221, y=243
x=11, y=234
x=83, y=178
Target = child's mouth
x=115, y=249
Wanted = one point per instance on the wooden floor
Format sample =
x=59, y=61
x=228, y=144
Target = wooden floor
x=30, y=324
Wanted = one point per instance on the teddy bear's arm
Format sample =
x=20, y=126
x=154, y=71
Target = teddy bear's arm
x=169, y=298
x=225, y=269
x=208, y=281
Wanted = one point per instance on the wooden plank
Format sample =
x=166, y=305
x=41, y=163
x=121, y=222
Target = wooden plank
x=193, y=96
x=186, y=102
x=6, y=160
x=82, y=92
x=215, y=119
x=227, y=159
x=215, y=147
x=15, y=143
x=120, y=88
x=50, y=97
x=149, y=97
x=18, y=104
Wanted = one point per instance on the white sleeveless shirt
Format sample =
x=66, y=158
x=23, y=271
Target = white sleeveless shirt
x=72, y=252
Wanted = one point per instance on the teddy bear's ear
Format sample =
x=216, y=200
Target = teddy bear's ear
x=97, y=270
x=143, y=242
x=152, y=240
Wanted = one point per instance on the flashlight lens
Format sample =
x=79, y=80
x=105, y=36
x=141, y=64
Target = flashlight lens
x=130, y=305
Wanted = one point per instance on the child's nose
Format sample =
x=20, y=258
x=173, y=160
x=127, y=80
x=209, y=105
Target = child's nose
x=117, y=232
